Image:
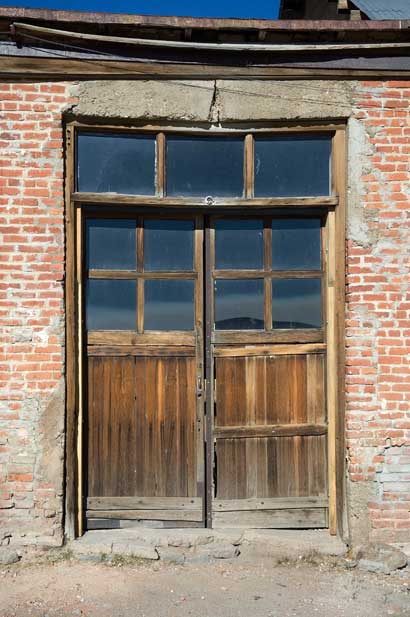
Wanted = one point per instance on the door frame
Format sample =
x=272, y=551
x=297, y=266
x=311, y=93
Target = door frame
x=335, y=206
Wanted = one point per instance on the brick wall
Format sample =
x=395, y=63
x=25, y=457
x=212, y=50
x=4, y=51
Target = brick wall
x=378, y=312
x=31, y=311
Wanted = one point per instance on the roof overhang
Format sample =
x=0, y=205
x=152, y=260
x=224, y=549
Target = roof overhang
x=83, y=44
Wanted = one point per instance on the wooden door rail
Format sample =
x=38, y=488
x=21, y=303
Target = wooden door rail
x=141, y=503
x=151, y=515
x=272, y=503
x=269, y=430
x=269, y=350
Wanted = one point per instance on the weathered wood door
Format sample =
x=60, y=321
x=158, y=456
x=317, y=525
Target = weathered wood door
x=267, y=356
x=144, y=289
x=258, y=282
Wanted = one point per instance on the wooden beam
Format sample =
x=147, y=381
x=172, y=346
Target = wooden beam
x=220, y=337
x=151, y=351
x=24, y=68
x=118, y=337
x=269, y=430
x=271, y=503
x=331, y=370
x=144, y=503
x=155, y=515
x=340, y=179
x=71, y=359
x=194, y=45
x=312, y=518
x=194, y=202
x=269, y=350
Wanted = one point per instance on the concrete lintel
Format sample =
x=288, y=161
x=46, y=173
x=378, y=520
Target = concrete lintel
x=154, y=100
x=253, y=100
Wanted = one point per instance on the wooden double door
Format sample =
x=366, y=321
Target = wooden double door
x=204, y=381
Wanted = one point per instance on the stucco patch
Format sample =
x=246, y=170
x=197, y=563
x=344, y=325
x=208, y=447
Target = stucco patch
x=360, y=151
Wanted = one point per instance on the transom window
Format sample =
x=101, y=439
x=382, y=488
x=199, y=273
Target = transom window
x=171, y=165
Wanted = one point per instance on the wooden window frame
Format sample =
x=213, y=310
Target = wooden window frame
x=333, y=206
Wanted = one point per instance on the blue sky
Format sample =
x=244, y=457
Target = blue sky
x=261, y=9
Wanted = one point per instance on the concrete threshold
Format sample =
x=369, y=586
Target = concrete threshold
x=203, y=545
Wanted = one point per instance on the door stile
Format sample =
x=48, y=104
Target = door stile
x=200, y=380
x=80, y=364
x=209, y=374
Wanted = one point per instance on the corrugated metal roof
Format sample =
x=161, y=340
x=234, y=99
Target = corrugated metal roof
x=384, y=9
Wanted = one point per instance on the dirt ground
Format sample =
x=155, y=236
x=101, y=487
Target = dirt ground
x=219, y=589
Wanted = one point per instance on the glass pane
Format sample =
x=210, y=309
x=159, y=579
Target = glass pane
x=296, y=244
x=116, y=164
x=111, y=304
x=239, y=304
x=205, y=166
x=168, y=244
x=169, y=305
x=239, y=244
x=111, y=244
x=297, y=303
x=292, y=166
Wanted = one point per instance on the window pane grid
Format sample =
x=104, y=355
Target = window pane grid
x=117, y=298
x=232, y=166
x=295, y=291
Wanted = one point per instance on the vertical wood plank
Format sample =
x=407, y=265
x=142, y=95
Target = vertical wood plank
x=249, y=166
x=340, y=178
x=209, y=370
x=80, y=448
x=71, y=501
x=267, y=243
x=332, y=401
x=199, y=377
x=160, y=165
x=140, y=268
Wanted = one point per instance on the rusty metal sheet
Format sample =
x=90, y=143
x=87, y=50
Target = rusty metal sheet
x=200, y=23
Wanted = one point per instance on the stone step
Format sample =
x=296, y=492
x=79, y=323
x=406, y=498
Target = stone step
x=182, y=545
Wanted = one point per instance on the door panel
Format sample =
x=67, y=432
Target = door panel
x=142, y=429
x=144, y=404
x=283, y=389
x=281, y=396
x=270, y=418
